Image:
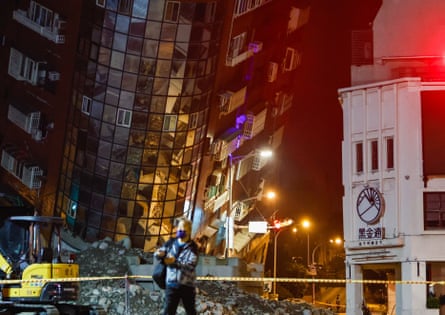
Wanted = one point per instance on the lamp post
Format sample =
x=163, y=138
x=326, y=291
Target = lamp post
x=229, y=223
x=336, y=241
x=277, y=227
x=307, y=224
x=314, y=271
x=274, y=288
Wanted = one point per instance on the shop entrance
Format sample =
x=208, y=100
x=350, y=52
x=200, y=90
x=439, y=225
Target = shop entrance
x=380, y=297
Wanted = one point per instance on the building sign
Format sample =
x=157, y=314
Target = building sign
x=371, y=233
x=258, y=227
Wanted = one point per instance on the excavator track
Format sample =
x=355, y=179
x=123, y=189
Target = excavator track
x=47, y=309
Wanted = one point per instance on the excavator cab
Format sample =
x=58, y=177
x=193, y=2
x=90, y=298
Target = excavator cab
x=30, y=252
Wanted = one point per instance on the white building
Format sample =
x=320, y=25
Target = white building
x=394, y=159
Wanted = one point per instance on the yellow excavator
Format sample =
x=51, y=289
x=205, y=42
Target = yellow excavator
x=33, y=277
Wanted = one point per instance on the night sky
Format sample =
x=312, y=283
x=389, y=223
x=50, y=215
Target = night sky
x=309, y=163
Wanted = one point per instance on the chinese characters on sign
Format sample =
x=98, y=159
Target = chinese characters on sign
x=370, y=233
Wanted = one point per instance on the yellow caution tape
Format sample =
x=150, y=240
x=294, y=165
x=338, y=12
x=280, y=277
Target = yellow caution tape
x=232, y=279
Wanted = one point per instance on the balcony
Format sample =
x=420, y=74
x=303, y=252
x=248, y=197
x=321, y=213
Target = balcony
x=235, y=60
x=231, y=100
x=24, y=68
x=254, y=123
x=226, y=144
x=16, y=162
x=24, y=117
x=50, y=32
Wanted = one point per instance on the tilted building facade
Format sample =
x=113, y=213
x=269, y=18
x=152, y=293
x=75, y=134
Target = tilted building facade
x=121, y=115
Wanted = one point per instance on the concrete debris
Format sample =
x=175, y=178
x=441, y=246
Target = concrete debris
x=122, y=297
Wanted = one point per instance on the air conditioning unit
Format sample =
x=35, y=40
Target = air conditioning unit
x=224, y=101
x=291, y=60
x=53, y=76
x=31, y=175
x=256, y=47
x=272, y=71
x=27, y=120
x=37, y=135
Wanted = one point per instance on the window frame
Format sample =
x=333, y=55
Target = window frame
x=101, y=3
x=123, y=117
x=87, y=104
x=438, y=211
x=172, y=9
x=358, y=157
x=389, y=153
x=170, y=122
x=373, y=155
x=37, y=12
x=237, y=43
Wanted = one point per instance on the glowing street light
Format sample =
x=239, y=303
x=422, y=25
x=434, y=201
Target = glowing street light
x=278, y=228
x=336, y=241
x=306, y=225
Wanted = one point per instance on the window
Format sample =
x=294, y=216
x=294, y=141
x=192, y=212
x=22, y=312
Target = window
x=389, y=153
x=244, y=6
x=359, y=157
x=193, y=120
x=434, y=210
x=291, y=59
x=40, y=15
x=86, y=105
x=169, y=123
x=374, y=145
x=23, y=68
x=236, y=45
x=100, y=3
x=123, y=117
x=125, y=6
x=72, y=209
x=210, y=12
x=172, y=11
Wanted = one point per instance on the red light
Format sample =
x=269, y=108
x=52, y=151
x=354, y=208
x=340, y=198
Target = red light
x=277, y=224
x=72, y=258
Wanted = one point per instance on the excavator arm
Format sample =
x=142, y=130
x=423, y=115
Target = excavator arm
x=5, y=266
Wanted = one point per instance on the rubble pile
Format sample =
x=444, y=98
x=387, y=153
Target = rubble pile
x=122, y=296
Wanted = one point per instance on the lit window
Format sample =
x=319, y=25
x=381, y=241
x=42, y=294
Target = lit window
x=72, y=209
x=86, y=105
x=170, y=123
x=123, y=117
x=172, y=11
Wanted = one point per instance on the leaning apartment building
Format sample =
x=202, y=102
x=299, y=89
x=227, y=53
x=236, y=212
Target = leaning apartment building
x=121, y=115
x=393, y=160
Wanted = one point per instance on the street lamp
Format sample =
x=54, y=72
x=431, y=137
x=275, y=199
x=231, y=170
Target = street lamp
x=336, y=241
x=229, y=224
x=306, y=225
x=277, y=227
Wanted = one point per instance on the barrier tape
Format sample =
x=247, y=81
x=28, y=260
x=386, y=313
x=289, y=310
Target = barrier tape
x=231, y=279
